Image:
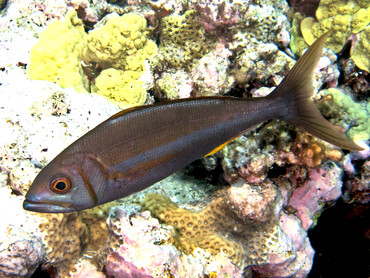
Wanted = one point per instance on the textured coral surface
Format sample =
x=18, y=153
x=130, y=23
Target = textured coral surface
x=245, y=211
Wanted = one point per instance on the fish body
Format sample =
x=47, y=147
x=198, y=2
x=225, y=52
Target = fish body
x=137, y=147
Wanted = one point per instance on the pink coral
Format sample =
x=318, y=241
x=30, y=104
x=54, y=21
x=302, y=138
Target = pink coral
x=218, y=14
x=283, y=265
x=253, y=203
x=138, y=256
x=322, y=185
x=210, y=75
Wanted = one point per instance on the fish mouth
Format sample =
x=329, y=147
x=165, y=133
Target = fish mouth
x=47, y=206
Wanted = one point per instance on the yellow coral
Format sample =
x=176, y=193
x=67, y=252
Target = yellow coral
x=178, y=29
x=360, y=53
x=57, y=54
x=297, y=43
x=121, y=43
x=121, y=86
x=216, y=229
x=342, y=17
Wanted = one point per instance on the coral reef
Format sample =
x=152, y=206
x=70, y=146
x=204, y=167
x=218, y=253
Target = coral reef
x=343, y=18
x=121, y=86
x=174, y=85
x=210, y=73
x=281, y=179
x=338, y=100
x=358, y=189
x=57, y=54
x=259, y=62
x=87, y=270
x=361, y=50
x=221, y=14
x=247, y=234
x=64, y=236
x=207, y=230
x=307, y=8
x=179, y=28
x=253, y=203
x=143, y=252
x=322, y=185
x=121, y=43
x=21, y=251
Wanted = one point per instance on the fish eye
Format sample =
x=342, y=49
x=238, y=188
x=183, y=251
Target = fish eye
x=60, y=185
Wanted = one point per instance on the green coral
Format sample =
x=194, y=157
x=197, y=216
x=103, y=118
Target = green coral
x=57, y=54
x=121, y=86
x=358, y=112
x=121, y=43
x=343, y=18
x=183, y=40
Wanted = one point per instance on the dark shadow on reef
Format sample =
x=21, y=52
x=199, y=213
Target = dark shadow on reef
x=341, y=240
x=39, y=273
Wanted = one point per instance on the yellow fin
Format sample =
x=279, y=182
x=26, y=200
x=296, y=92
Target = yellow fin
x=221, y=146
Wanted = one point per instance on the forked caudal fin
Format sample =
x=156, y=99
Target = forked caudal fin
x=296, y=90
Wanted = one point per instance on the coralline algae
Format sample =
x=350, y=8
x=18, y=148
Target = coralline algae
x=280, y=179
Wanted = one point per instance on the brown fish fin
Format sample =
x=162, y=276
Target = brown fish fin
x=296, y=90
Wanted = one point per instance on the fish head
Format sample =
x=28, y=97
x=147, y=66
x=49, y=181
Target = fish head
x=71, y=182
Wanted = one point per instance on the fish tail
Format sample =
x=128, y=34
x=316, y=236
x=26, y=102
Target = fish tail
x=296, y=90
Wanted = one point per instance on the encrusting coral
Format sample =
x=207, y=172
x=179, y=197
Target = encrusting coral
x=57, y=55
x=69, y=236
x=138, y=246
x=64, y=237
x=216, y=229
x=177, y=29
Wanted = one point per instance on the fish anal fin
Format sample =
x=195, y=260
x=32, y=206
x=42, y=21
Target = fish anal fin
x=221, y=146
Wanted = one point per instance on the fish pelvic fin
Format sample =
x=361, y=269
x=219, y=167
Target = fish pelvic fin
x=296, y=90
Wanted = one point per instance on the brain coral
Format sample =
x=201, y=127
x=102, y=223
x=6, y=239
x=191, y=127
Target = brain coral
x=64, y=236
x=121, y=43
x=69, y=236
x=57, y=54
x=217, y=229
